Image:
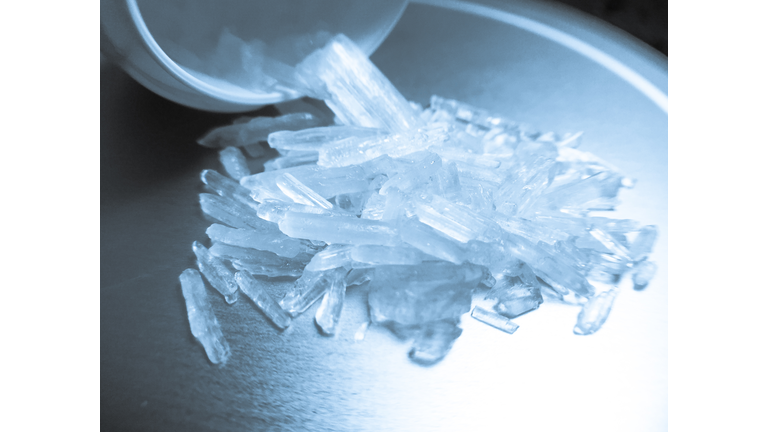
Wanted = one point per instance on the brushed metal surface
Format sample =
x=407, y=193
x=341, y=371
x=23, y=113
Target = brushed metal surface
x=155, y=377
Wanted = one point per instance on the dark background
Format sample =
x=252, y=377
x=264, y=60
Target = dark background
x=643, y=19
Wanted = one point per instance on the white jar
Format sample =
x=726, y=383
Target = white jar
x=176, y=47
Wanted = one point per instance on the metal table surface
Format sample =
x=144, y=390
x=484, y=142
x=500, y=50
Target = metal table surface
x=528, y=61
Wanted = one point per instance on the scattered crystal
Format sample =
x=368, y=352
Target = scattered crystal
x=644, y=272
x=493, y=319
x=251, y=287
x=595, y=312
x=205, y=326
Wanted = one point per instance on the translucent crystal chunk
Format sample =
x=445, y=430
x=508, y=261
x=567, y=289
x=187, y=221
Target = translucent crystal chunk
x=272, y=241
x=205, y=327
x=434, y=341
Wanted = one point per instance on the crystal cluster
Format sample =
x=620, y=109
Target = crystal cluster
x=423, y=207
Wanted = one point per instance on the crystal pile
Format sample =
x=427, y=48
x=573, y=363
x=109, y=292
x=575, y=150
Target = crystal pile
x=423, y=207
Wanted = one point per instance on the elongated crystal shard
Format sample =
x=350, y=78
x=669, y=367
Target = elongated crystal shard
x=644, y=272
x=494, y=320
x=272, y=241
x=227, y=188
x=434, y=341
x=453, y=220
x=594, y=313
x=234, y=163
x=232, y=213
x=329, y=312
x=253, y=289
x=300, y=193
x=309, y=288
x=360, y=95
x=314, y=138
x=256, y=129
x=216, y=272
x=258, y=262
x=328, y=182
x=205, y=327
x=338, y=229
x=431, y=242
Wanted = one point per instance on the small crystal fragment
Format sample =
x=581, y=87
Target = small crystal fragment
x=205, y=327
x=234, y=163
x=495, y=320
x=644, y=272
x=594, y=313
x=216, y=272
x=251, y=287
x=329, y=312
